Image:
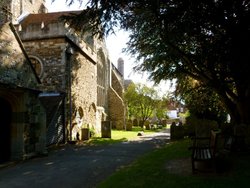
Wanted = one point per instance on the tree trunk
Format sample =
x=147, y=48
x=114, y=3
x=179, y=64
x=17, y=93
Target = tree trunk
x=240, y=119
x=238, y=108
x=242, y=110
x=240, y=113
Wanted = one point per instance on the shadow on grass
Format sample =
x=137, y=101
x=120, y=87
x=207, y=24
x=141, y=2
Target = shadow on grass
x=154, y=170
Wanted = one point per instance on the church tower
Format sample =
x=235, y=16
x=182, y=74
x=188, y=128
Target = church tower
x=120, y=66
x=11, y=10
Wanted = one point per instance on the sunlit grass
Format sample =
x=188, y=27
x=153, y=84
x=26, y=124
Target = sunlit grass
x=120, y=136
x=130, y=135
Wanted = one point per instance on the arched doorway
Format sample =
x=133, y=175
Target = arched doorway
x=5, y=136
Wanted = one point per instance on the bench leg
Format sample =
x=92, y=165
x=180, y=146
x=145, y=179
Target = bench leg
x=193, y=166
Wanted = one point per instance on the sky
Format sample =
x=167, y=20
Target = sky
x=115, y=44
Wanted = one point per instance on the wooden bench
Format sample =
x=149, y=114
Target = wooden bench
x=204, y=150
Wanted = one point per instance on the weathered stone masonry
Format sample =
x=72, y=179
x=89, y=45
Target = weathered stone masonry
x=74, y=71
x=116, y=103
x=91, y=85
x=49, y=51
x=10, y=10
x=19, y=90
x=69, y=65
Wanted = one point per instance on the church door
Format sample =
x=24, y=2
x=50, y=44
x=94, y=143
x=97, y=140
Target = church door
x=5, y=136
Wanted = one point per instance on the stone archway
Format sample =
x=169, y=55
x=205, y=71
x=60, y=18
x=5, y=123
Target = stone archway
x=5, y=130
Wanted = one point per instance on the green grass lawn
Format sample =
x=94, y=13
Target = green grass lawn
x=149, y=171
x=120, y=136
x=130, y=135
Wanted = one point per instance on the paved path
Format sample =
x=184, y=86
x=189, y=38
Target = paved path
x=80, y=167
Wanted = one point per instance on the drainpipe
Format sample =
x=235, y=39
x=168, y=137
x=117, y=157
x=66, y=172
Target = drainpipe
x=69, y=52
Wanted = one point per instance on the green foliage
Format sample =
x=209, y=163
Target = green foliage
x=184, y=115
x=201, y=101
x=200, y=126
x=205, y=40
x=92, y=132
x=141, y=100
x=160, y=111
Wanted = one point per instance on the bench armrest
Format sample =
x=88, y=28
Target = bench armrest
x=201, y=142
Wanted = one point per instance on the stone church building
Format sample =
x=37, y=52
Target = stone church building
x=54, y=81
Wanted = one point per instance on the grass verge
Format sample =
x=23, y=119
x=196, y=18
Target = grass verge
x=119, y=136
x=149, y=171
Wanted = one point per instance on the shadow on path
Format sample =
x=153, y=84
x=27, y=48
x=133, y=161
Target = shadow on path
x=75, y=166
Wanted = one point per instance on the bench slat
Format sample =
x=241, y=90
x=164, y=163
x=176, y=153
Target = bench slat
x=202, y=153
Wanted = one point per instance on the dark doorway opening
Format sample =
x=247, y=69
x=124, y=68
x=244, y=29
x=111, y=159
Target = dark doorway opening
x=5, y=135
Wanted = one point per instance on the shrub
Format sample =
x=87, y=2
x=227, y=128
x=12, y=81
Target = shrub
x=200, y=127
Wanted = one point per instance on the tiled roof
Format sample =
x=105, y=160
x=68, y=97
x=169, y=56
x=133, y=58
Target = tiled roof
x=46, y=18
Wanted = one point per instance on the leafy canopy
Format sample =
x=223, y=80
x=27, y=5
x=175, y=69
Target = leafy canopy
x=207, y=40
x=142, y=101
x=201, y=101
x=202, y=39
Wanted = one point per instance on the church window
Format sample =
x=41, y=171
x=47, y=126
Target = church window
x=101, y=79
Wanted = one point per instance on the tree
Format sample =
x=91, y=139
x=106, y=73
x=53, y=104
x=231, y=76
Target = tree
x=202, y=102
x=206, y=40
x=161, y=108
x=141, y=101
